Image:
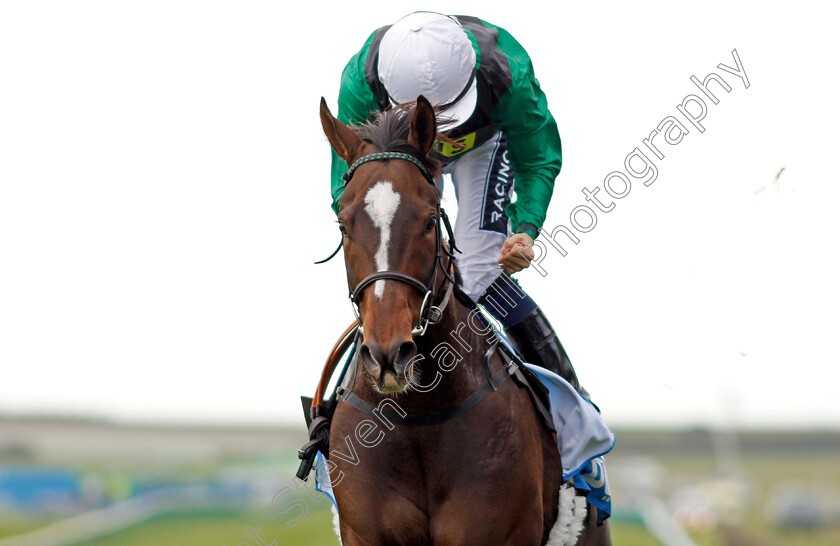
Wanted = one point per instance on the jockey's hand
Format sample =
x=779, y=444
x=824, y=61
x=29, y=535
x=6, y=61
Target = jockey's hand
x=517, y=253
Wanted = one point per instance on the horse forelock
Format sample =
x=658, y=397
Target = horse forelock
x=388, y=132
x=381, y=191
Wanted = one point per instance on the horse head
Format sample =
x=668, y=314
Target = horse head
x=388, y=217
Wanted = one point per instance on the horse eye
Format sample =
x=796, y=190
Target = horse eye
x=430, y=224
x=342, y=228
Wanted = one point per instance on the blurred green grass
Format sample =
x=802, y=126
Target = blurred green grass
x=228, y=529
x=686, y=456
x=11, y=526
x=224, y=528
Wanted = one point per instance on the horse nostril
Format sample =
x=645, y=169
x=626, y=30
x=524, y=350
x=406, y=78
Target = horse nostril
x=370, y=362
x=379, y=361
x=405, y=353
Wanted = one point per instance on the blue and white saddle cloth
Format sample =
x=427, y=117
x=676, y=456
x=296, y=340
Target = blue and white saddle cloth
x=583, y=439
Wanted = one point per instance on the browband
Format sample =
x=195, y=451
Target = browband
x=381, y=156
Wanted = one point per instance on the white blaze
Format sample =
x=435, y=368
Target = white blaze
x=381, y=202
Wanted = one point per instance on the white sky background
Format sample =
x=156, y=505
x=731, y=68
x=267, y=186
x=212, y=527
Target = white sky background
x=164, y=190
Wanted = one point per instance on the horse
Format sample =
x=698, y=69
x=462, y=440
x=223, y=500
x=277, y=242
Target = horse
x=453, y=453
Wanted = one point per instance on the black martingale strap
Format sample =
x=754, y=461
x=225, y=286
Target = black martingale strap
x=434, y=418
x=494, y=381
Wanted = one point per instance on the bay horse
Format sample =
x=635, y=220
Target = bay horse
x=452, y=453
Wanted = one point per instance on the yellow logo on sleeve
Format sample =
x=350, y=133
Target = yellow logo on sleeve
x=451, y=150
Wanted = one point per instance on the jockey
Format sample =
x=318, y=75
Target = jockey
x=483, y=81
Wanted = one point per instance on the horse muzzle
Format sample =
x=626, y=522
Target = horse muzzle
x=388, y=366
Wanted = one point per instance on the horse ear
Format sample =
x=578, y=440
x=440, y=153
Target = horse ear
x=423, y=126
x=345, y=143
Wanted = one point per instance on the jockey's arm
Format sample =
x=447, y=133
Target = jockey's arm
x=535, y=153
x=356, y=102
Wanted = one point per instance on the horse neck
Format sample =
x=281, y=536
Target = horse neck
x=461, y=330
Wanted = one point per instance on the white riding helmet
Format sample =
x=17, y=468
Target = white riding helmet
x=430, y=54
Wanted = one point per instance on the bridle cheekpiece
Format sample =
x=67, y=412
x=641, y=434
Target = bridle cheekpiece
x=429, y=312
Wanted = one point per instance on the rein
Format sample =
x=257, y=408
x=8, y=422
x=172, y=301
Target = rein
x=430, y=313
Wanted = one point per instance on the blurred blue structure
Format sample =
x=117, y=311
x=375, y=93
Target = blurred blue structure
x=33, y=489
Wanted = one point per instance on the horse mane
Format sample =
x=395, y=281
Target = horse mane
x=388, y=132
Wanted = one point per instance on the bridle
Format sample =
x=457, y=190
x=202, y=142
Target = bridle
x=430, y=313
x=321, y=411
